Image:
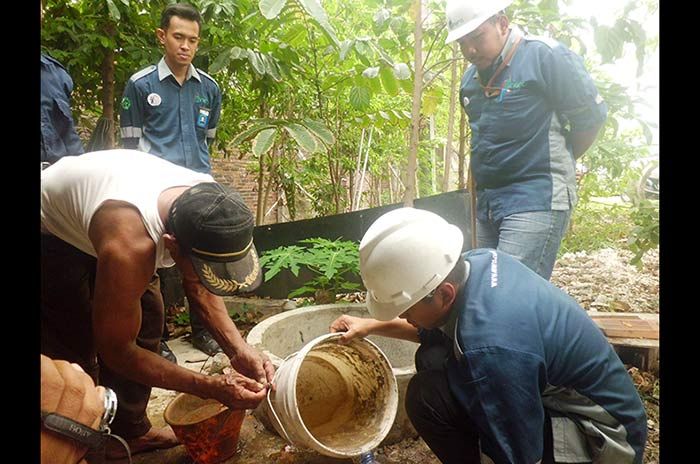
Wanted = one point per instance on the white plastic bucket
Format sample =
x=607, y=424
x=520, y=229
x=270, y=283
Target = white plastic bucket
x=339, y=400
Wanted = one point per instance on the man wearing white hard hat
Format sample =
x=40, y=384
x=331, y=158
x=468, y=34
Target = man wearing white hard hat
x=533, y=111
x=510, y=368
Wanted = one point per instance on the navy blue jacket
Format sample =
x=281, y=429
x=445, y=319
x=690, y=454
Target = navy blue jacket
x=521, y=155
x=58, y=135
x=522, y=347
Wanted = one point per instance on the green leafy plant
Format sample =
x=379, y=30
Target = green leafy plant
x=182, y=318
x=645, y=233
x=332, y=261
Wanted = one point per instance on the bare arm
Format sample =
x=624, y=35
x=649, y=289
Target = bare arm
x=125, y=264
x=212, y=309
x=359, y=327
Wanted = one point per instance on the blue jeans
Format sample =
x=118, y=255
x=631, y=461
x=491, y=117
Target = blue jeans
x=532, y=238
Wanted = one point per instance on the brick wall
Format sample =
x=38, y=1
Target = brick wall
x=236, y=174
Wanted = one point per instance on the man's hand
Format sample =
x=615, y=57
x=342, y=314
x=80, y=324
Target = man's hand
x=67, y=390
x=352, y=326
x=250, y=362
x=238, y=391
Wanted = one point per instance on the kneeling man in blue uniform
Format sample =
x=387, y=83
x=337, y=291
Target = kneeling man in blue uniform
x=510, y=368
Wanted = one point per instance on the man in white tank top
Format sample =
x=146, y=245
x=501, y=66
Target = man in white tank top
x=109, y=219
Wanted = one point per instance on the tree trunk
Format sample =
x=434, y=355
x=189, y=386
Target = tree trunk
x=462, y=140
x=434, y=156
x=107, y=72
x=261, y=177
x=260, y=207
x=450, y=121
x=411, y=169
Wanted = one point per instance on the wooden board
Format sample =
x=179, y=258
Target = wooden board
x=627, y=327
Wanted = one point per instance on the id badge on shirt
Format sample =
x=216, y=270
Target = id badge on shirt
x=203, y=118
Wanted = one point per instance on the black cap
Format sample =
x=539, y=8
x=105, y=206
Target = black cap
x=213, y=225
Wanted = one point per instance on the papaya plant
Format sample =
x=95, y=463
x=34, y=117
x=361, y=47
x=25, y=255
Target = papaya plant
x=333, y=262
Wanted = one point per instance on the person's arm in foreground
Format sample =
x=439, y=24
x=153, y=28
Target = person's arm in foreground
x=67, y=390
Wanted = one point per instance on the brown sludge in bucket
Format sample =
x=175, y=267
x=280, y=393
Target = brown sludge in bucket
x=339, y=394
x=208, y=429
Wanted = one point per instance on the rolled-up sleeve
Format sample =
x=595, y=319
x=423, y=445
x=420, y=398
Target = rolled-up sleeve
x=131, y=116
x=214, y=119
x=571, y=89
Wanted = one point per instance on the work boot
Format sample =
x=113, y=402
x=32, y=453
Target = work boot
x=167, y=353
x=203, y=341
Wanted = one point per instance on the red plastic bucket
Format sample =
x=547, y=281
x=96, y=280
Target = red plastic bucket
x=208, y=429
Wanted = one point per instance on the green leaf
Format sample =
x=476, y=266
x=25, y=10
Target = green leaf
x=302, y=136
x=264, y=141
x=320, y=130
x=314, y=8
x=256, y=62
x=250, y=132
x=375, y=85
x=301, y=291
x=271, y=8
x=238, y=53
x=125, y=2
x=345, y=48
x=407, y=85
x=430, y=103
x=389, y=81
x=222, y=61
x=113, y=10
x=359, y=98
x=401, y=71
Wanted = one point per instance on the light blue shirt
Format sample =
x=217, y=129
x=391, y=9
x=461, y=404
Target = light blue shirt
x=175, y=122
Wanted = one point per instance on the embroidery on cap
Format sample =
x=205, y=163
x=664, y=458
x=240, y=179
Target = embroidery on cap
x=230, y=285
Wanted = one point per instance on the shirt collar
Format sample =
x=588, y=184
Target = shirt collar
x=449, y=327
x=164, y=71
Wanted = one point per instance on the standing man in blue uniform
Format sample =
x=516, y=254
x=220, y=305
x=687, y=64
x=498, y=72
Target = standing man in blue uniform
x=510, y=368
x=171, y=110
x=533, y=111
x=58, y=135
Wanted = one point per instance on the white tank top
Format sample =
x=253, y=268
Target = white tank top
x=74, y=188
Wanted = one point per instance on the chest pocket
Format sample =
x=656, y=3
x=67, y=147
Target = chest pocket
x=514, y=114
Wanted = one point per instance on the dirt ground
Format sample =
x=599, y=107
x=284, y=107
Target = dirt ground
x=601, y=280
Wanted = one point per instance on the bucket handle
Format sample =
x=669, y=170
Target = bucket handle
x=277, y=419
x=274, y=413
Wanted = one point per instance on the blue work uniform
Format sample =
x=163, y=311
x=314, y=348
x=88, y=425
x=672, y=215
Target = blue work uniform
x=175, y=122
x=58, y=135
x=521, y=157
x=523, y=347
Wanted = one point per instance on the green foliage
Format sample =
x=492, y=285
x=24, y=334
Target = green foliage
x=247, y=314
x=301, y=79
x=595, y=226
x=332, y=261
x=182, y=318
x=645, y=233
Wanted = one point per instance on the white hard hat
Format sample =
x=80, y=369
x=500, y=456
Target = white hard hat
x=463, y=16
x=404, y=255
